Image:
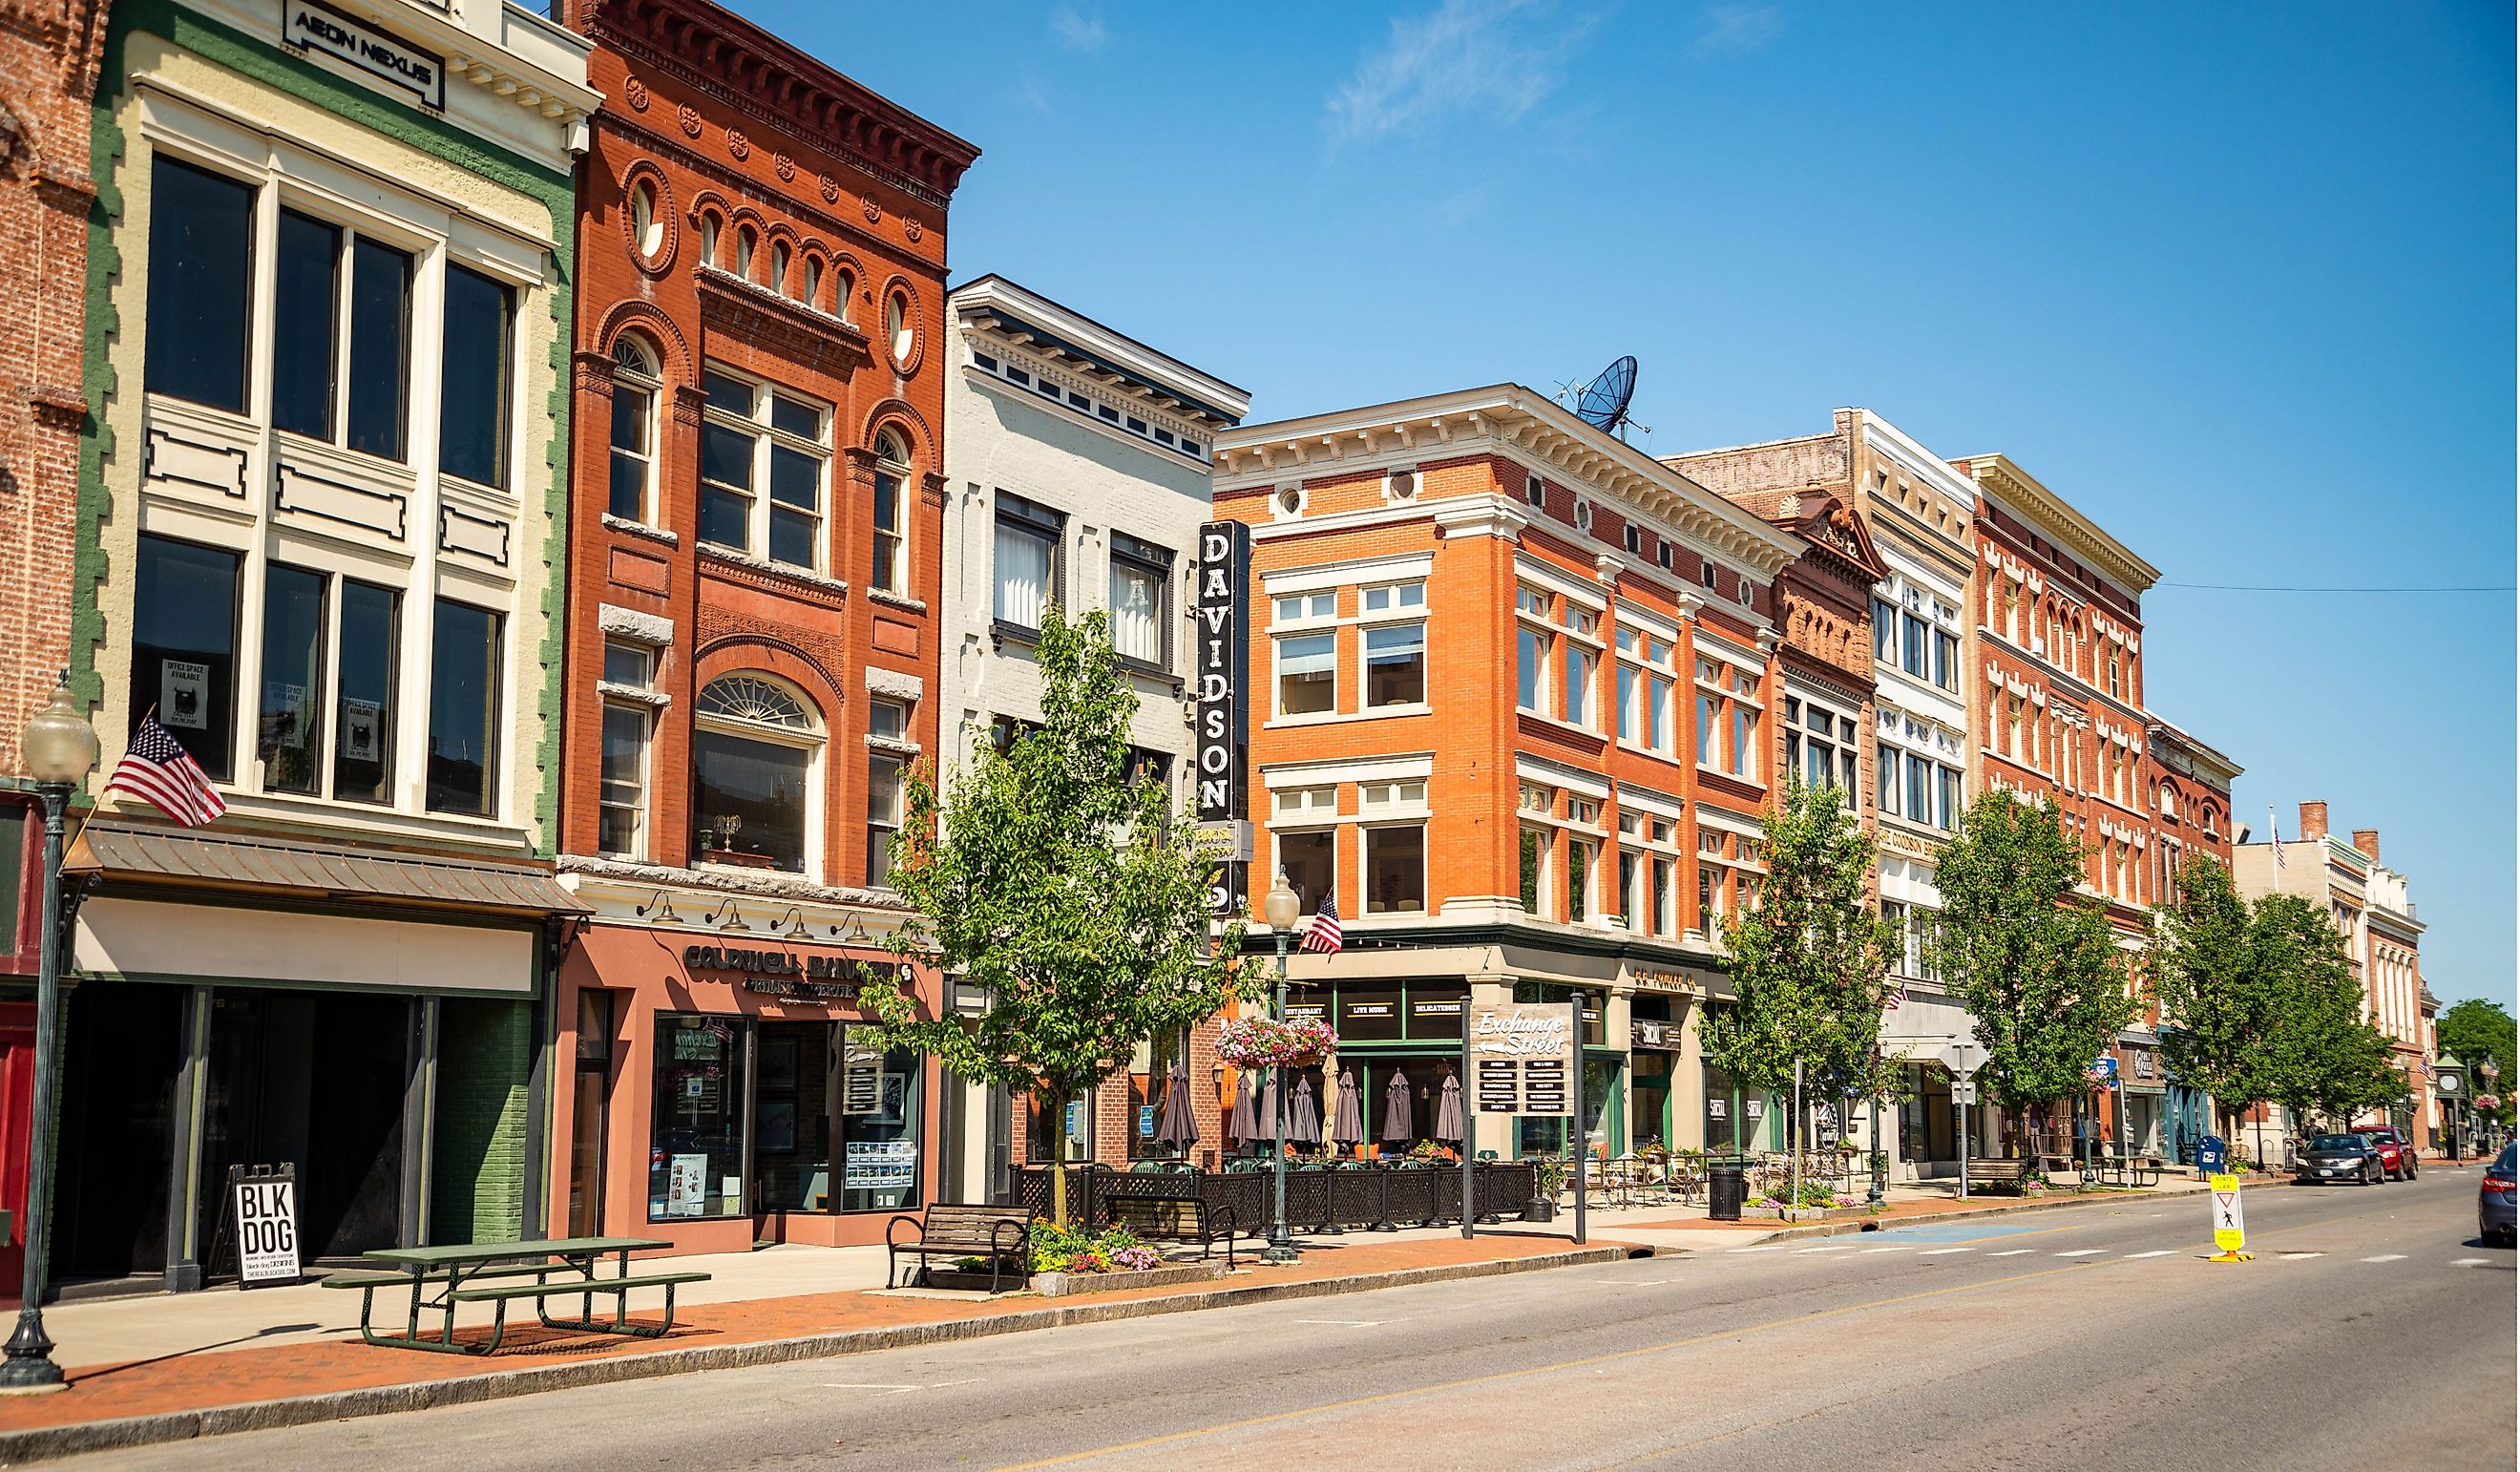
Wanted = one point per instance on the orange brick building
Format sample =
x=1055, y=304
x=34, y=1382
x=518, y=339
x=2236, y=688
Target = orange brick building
x=754, y=583
x=1514, y=693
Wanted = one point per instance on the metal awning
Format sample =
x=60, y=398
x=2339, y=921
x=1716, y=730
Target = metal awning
x=127, y=853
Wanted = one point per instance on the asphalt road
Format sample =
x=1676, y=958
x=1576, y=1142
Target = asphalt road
x=2373, y=1331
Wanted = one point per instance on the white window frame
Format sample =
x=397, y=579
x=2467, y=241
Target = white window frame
x=765, y=435
x=896, y=467
x=647, y=382
x=814, y=743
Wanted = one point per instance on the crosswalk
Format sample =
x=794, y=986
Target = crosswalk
x=1828, y=1251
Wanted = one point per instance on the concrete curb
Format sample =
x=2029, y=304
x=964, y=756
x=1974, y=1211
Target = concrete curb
x=122, y=1433
x=1880, y=1223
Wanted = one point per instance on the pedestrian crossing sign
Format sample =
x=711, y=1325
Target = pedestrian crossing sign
x=2228, y=1236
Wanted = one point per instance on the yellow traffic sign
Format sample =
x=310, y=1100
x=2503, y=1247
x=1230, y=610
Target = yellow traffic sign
x=2229, y=1234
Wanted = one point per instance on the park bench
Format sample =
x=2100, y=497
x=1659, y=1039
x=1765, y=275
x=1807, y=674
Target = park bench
x=964, y=1230
x=441, y=1278
x=1174, y=1218
x=1983, y=1170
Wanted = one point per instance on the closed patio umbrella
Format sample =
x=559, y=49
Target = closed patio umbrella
x=1176, y=1122
x=1303, y=1116
x=1447, y=1113
x=1264, y=1112
x=1245, y=1126
x=1347, y=1119
x=1397, y=1127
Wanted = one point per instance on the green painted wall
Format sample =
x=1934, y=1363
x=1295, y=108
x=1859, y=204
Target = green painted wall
x=481, y=1175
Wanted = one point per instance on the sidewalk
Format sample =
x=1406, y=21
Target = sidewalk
x=165, y=1367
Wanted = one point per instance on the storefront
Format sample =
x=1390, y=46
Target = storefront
x=1400, y=1042
x=730, y=1087
x=239, y=1000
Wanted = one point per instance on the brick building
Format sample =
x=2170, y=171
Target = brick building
x=49, y=54
x=2190, y=787
x=1511, y=699
x=753, y=632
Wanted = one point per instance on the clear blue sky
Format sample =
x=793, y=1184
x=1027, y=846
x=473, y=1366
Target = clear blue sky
x=2237, y=281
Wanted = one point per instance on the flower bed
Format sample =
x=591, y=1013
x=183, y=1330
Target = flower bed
x=1064, y=1249
x=1266, y=1043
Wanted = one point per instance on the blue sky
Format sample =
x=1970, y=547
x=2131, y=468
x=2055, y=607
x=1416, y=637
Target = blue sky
x=2237, y=281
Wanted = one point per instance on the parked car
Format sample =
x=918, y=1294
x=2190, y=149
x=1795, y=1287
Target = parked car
x=2493, y=1199
x=2340, y=1157
x=2396, y=1152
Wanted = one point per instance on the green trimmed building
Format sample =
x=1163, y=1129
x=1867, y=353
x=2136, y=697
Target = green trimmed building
x=322, y=502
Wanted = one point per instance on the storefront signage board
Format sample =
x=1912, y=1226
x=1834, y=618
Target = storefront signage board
x=355, y=43
x=1221, y=616
x=266, y=1226
x=1522, y=1059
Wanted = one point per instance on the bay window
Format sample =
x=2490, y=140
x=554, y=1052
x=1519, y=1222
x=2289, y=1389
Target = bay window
x=463, y=710
x=1141, y=600
x=476, y=378
x=1027, y=561
x=754, y=745
x=756, y=438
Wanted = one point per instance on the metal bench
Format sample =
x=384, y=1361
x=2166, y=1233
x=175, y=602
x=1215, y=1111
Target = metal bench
x=1174, y=1218
x=964, y=1230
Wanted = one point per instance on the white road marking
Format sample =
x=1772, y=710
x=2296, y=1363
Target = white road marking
x=1769, y=1247
x=2469, y=1261
x=2015, y=1253
x=2159, y=1252
x=2388, y=1257
x=1945, y=1251
x=1868, y=1251
x=2298, y=1257
x=2082, y=1252
x=1832, y=1247
x=892, y=1389
x=1348, y=1324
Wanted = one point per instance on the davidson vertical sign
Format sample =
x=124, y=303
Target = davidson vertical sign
x=1224, y=658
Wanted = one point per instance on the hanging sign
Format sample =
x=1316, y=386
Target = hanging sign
x=1221, y=618
x=266, y=1226
x=1522, y=1059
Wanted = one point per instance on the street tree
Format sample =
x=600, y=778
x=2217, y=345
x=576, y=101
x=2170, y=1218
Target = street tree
x=2321, y=1054
x=1811, y=962
x=2035, y=960
x=2474, y=1031
x=2217, y=1006
x=1061, y=889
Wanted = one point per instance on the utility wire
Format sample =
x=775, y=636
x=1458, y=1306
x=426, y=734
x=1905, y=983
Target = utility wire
x=2264, y=588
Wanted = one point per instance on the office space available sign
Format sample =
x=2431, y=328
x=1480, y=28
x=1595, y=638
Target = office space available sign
x=353, y=42
x=1522, y=1059
x=1221, y=615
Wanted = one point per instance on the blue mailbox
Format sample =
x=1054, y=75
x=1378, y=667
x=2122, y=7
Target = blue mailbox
x=2211, y=1153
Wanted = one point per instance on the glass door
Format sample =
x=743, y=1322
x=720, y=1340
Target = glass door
x=590, y=1113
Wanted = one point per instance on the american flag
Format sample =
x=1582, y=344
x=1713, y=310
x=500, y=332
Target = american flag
x=1322, y=934
x=2275, y=835
x=159, y=772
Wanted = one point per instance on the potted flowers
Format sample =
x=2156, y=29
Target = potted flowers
x=1266, y=1043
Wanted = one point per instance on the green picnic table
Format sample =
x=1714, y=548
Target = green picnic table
x=441, y=1277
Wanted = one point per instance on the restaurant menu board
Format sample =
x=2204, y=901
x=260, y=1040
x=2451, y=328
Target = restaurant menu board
x=1522, y=1059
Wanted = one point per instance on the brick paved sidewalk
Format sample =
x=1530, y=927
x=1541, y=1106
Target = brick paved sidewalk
x=230, y=1377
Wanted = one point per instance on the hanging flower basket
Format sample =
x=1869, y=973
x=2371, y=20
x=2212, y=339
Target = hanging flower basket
x=1263, y=1043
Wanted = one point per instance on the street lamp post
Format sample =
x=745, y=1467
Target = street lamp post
x=61, y=751
x=1279, y=907
x=2488, y=1070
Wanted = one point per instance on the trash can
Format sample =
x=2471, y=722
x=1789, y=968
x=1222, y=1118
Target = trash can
x=1724, y=1192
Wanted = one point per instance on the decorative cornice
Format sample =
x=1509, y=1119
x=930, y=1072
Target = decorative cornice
x=1997, y=475
x=1004, y=309
x=754, y=313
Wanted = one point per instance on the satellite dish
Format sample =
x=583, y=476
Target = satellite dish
x=1604, y=402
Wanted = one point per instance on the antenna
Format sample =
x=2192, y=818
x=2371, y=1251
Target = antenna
x=1604, y=402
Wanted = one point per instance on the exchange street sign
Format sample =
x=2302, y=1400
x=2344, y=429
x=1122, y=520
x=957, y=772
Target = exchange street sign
x=1522, y=1059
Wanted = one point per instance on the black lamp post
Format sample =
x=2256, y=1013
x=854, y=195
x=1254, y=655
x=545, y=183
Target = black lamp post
x=1279, y=907
x=61, y=751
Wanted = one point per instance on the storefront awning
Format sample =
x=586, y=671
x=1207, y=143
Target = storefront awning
x=122, y=853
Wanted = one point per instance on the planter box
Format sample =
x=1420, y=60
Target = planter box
x=1062, y=1285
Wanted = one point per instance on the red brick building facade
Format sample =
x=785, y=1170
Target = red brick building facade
x=754, y=580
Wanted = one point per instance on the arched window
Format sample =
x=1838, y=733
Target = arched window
x=710, y=225
x=779, y=268
x=756, y=750
x=811, y=294
x=745, y=238
x=2169, y=802
x=845, y=293
x=636, y=380
x=891, y=473
x=646, y=225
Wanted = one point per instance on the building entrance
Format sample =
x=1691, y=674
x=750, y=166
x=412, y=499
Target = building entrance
x=122, y=1049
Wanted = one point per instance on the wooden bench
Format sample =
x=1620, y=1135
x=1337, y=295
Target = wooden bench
x=1981, y=1170
x=964, y=1230
x=1174, y=1218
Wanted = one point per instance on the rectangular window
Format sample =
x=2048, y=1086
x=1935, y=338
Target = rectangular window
x=1709, y=729
x=1579, y=880
x=754, y=436
x=696, y=1153
x=200, y=288
x=886, y=525
x=1581, y=662
x=1885, y=777
x=1663, y=921
x=463, y=710
x=1306, y=607
x=1631, y=714
x=884, y=817
x=1947, y=660
x=1530, y=667
x=1395, y=665
x=1394, y=597
x=290, y=740
x=1307, y=674
x=305, y=294
x=1658, y=688
x=1885, y=632
x=183, y=648
x=888, y=720
x=633, y=418
x=1395, y=871
x=1745, y=743
x=1309, y=864
x=1913, y=648
x=380, y=348
x=1921, y=788
x=1140, y=598
x=1535, y=847
x=749, y=801
x=1950, y=816
x=474, y=377
x=1631, y=898
x=621, y=792
x=364, y=711
x=1027, y=561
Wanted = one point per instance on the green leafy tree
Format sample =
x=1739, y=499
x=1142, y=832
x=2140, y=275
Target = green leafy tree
x=2321, y=1056
x=1062, y=890
x=2036, y=963
x=1811, y=962
x=2473, y=1031
x=2216, y=1005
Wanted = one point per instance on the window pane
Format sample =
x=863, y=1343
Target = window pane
x=791, y=538
x=794, y=417
x=363, y=721
x=1024, y=574
x=1530, y=667
x=633, y=411
x=1395, y=871
x=622, y=788
x=380, y=347
x=726, y=456
x=1136, y=604
x=200, y=287
x=1920, y=790
x=472, y=421
x=304, y=290
x=731, y=394
x=1579, y=880
x=1745, y=726
x=183, y=648
x=796, y=478
x=887, y=718
x=1626, y=698
x=696, y=1142
x=1579, y=684
x=749, y=801
x=289, y=741
x=1395, y=665
x=1307, y=675
x=1950, y=818
x=463, y=709
x=1531, y=847
x=725, y=519
x=1306, y=858
x=883, y=815
x=880, y=1140
x=1708, y=731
